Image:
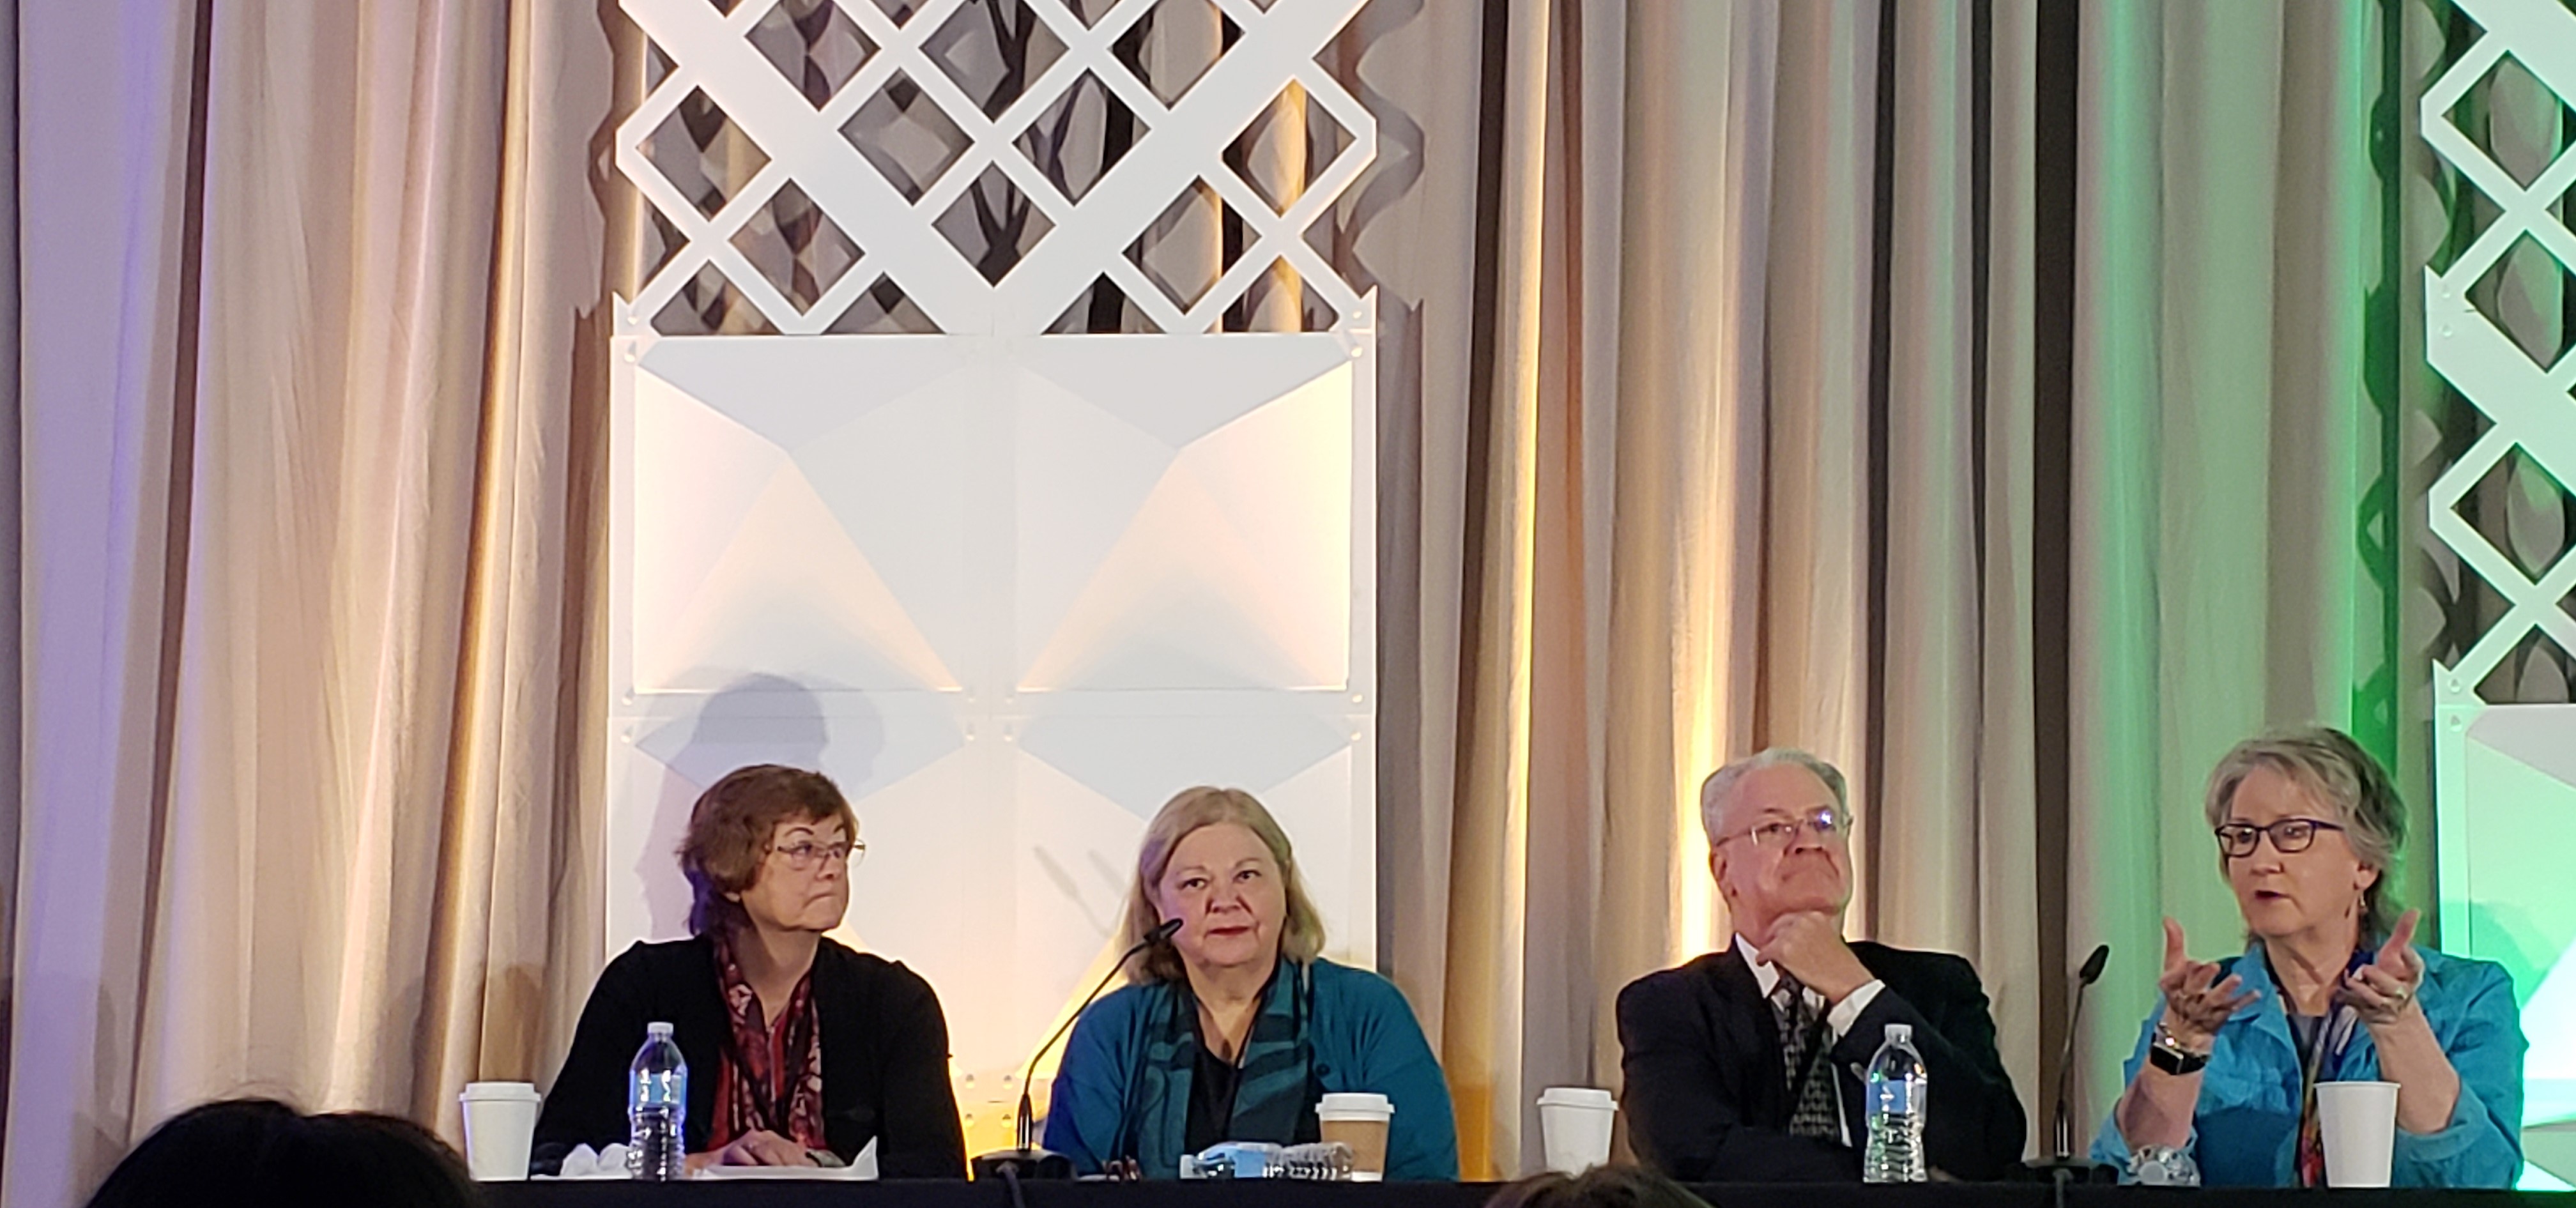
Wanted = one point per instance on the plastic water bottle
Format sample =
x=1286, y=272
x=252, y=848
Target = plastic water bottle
x=657, y=1108
x=1896, y=1101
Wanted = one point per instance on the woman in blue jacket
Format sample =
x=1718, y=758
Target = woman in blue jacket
x=2329, y=989
x=1236, y=1027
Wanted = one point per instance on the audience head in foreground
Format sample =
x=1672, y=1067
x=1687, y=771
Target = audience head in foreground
x=800, y=1051
x=2330, y=987
x=1236, y=1026
x=1616, y=1186
x=262, y=1152
x=1741, y=1065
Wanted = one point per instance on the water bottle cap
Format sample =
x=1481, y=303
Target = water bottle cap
x=1901, y=1031
x=657, y=1029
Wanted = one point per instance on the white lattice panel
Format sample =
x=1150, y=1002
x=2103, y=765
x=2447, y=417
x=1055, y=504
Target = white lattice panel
x=1180, y=155
x=1010, y=588
x=2502, y=775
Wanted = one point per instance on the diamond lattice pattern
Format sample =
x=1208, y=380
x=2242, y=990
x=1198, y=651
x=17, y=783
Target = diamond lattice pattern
x=2497, y=329
x=994, y=163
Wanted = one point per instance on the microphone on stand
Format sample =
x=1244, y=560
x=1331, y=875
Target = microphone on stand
x=2062, y=1167
x=1028, y=1161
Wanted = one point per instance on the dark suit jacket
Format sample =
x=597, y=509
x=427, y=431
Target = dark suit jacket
x=885, y=1056
x=1707, y=1100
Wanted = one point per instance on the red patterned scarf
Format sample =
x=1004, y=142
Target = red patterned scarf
x=772, y=1074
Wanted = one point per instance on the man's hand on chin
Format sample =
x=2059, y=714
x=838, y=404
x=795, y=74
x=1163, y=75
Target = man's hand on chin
x=1809, y=944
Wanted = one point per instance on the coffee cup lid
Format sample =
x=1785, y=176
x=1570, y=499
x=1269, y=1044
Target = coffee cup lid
x=1355, y=1103
x=500, y=1090
x=1576, y=1096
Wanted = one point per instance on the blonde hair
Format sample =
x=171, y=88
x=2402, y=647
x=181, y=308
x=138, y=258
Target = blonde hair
x=1301, y=936
x=2330, y=765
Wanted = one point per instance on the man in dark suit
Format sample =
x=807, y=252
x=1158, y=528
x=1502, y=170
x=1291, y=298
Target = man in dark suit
x=1746, y=1064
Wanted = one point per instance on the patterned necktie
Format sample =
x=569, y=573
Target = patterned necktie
x=1814, y=1115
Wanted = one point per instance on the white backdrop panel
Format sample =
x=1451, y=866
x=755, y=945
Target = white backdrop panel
x=1010, y=594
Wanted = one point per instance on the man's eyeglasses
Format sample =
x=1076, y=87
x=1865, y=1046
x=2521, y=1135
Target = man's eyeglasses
x=803, y=856
x=2289, y=835
x=1779, y=833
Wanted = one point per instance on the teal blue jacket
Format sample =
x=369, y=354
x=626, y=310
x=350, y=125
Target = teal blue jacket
x=2245, y=1128
x=1365, y=1039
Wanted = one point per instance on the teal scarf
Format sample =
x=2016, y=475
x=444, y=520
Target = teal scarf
x=1274, y=1095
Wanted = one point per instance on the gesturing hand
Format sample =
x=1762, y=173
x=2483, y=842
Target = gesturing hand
x=2194, y=1007
x=2383, y=991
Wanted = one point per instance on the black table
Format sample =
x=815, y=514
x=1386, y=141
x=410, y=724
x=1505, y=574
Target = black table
x=1283, y=1194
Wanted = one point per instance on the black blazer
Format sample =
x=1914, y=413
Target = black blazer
x=1707, y=1101
x=885, y=1056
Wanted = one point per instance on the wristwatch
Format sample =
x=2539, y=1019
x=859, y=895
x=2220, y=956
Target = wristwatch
x=2169, y=1055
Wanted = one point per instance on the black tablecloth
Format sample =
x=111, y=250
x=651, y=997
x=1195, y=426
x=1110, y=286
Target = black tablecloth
x=1269, y=1194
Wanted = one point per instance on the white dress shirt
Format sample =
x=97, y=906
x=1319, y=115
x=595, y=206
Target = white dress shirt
x=1839, y=1019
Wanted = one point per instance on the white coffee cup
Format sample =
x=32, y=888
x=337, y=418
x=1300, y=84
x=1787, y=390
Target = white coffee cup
x=2358, y=1122
x=1360, y=1120
x=1574, y=1127
x=500, y=1117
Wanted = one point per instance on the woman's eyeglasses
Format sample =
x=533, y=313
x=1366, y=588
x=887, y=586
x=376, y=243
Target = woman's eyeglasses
x=803, y=856
x=2289, y=835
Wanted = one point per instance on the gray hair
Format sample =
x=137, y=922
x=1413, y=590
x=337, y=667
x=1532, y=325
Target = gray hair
x=2329, y=764
x=1714, y=790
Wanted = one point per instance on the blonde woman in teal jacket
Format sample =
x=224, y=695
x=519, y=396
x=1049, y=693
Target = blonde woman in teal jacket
x=2329, y=989
x=1236, y=1027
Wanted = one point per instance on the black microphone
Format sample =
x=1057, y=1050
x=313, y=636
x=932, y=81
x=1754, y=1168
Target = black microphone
x=2063, y=1168
x=2064, y=1121
x=1028, y=1161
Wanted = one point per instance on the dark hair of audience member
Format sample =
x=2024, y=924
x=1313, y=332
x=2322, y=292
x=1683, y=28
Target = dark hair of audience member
x=260, y=1151
x=1623, y=1186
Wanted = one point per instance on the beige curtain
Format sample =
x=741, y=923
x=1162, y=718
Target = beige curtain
x=315, y=405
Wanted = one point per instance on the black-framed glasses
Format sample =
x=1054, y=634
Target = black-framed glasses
x=1780, y=832
x=802, y=856
x=2289, y=835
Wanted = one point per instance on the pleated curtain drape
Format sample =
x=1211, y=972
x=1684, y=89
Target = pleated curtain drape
x=311, y=391
x=1970, y=391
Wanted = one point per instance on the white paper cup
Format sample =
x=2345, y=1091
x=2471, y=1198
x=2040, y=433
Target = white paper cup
x=500, y=1117
x=1360, y=1120
x=1574, y=1127
x=2358, y=1121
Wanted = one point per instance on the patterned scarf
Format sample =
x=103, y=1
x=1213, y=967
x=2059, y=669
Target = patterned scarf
x=771, y=1078
x=2333, y=1033
x=1274, y=1094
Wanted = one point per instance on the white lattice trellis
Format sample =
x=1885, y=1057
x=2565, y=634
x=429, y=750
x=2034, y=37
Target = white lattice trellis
x=1181, y=148
x=2505, y=772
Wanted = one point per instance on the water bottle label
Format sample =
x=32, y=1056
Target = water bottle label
x=1894, y=1097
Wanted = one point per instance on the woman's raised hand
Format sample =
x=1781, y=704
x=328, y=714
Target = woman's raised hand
x=2383, y=991
x=2197, y=1001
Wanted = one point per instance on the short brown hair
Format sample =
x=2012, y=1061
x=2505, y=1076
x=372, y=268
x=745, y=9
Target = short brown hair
x=1301, y=935
x=729, y=831
x=2328, y=763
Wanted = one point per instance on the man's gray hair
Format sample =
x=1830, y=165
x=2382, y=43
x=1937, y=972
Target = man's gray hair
x=1714, y=790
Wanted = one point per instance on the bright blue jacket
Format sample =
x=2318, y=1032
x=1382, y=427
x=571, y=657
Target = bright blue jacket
x=1365, y=1039
x=2245, y=1128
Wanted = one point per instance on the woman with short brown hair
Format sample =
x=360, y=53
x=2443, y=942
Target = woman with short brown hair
x=800, y=1050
